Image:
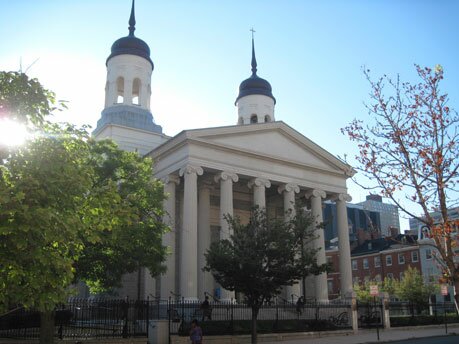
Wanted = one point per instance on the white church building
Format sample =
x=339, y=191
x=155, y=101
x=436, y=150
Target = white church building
x=211, y=172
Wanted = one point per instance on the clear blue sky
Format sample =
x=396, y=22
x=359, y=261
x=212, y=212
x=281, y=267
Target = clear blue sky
x=311, y=52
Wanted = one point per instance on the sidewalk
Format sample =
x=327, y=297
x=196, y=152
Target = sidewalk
x=369, y=336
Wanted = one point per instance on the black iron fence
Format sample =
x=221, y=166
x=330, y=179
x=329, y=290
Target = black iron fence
x=370, y=314
x=88, y=318
x=404, y=313
x=104, y=318
x=279, y=316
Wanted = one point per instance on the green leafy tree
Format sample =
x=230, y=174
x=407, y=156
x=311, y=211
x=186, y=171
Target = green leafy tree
x=25, y=101
x=133, y=238
x=42, y=195
x=408, y=148
x=412, y=288
x=64, y=196
x=262, y=256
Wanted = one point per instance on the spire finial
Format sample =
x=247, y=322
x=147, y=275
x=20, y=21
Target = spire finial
x=132, y=20
x=254, y=60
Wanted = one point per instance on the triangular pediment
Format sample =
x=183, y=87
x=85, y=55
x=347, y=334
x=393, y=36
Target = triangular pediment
x=271, y=140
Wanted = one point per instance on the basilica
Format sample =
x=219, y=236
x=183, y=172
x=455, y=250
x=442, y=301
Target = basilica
x=210, y=172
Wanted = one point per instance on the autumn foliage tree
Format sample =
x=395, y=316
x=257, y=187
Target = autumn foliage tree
x=408, y=147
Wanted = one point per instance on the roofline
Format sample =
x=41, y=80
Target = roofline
x=321, y=152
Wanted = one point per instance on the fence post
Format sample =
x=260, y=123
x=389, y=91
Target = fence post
x=354, y=313
x=277, y=314
x=169, y=311
x=148, y=315
x=183, y=310
x=386, y=310
x=125, y=315
x=232, y=317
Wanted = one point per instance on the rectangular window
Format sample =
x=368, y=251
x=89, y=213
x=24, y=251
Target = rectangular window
x=401, y=276
x=354, y=265
x=414, y=256
x=401, y=258
x=365, y=263
x=377, y=262
x=428, y=254
x=390, y=275
x=330, y=286
x=388, y=260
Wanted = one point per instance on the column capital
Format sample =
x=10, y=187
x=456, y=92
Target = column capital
x=205, y=184
x=259, y=182
x=342, y=197
x=289, y=187
x=171, y=178
x=191, y=169
x=226, y=175
x=315, y=193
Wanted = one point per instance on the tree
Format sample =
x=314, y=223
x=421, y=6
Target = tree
x=412, y=288
x=410, y=147
x=133, y=239
x=64, y=196
x=262, y=256
x=25, y=101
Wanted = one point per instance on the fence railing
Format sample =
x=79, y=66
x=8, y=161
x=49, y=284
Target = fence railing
x=93, y=318
x=404, y=313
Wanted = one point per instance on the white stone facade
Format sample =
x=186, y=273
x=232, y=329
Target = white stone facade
x=226, y=170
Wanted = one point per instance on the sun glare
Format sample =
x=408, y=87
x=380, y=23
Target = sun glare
x=12, y=133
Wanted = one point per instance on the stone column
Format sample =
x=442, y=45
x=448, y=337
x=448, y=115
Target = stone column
x=259, y=185
x=343, y=244
x=189, y=239
x=168, y=279
x=288, y=191
x=127, y=100
x=320, y=281
x=205, y=281
x=226, y=180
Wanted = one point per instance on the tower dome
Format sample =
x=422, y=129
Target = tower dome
x=130, y=44
x=255, y=84
x=255, y=100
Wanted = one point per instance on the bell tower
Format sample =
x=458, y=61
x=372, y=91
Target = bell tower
x=126, y=117
x=255, y=102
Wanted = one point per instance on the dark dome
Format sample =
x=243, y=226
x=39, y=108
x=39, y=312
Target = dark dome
x=255, y=85
x=131, y=45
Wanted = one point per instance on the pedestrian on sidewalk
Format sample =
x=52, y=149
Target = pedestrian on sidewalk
x=195, y=333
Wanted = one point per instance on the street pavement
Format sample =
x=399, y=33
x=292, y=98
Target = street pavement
x=390, y=335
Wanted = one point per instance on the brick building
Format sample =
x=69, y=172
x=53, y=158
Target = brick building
x=376, y=259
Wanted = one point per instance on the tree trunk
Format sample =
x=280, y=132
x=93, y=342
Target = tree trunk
x=47, y=327
x=254, y=324
x=456, y=294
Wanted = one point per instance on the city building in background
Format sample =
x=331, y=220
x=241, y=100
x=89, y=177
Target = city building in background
x=388, y=213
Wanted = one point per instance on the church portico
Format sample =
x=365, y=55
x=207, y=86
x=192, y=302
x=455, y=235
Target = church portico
x=208, y=194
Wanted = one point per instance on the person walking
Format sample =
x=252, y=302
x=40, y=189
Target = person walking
x=300, y=305
x=195, y=333
x=205, y=309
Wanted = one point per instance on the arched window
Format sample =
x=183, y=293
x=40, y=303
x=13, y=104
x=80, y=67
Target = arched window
x=267, y=118
x=136, y=91
x=254, y=119
x=120, y=90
